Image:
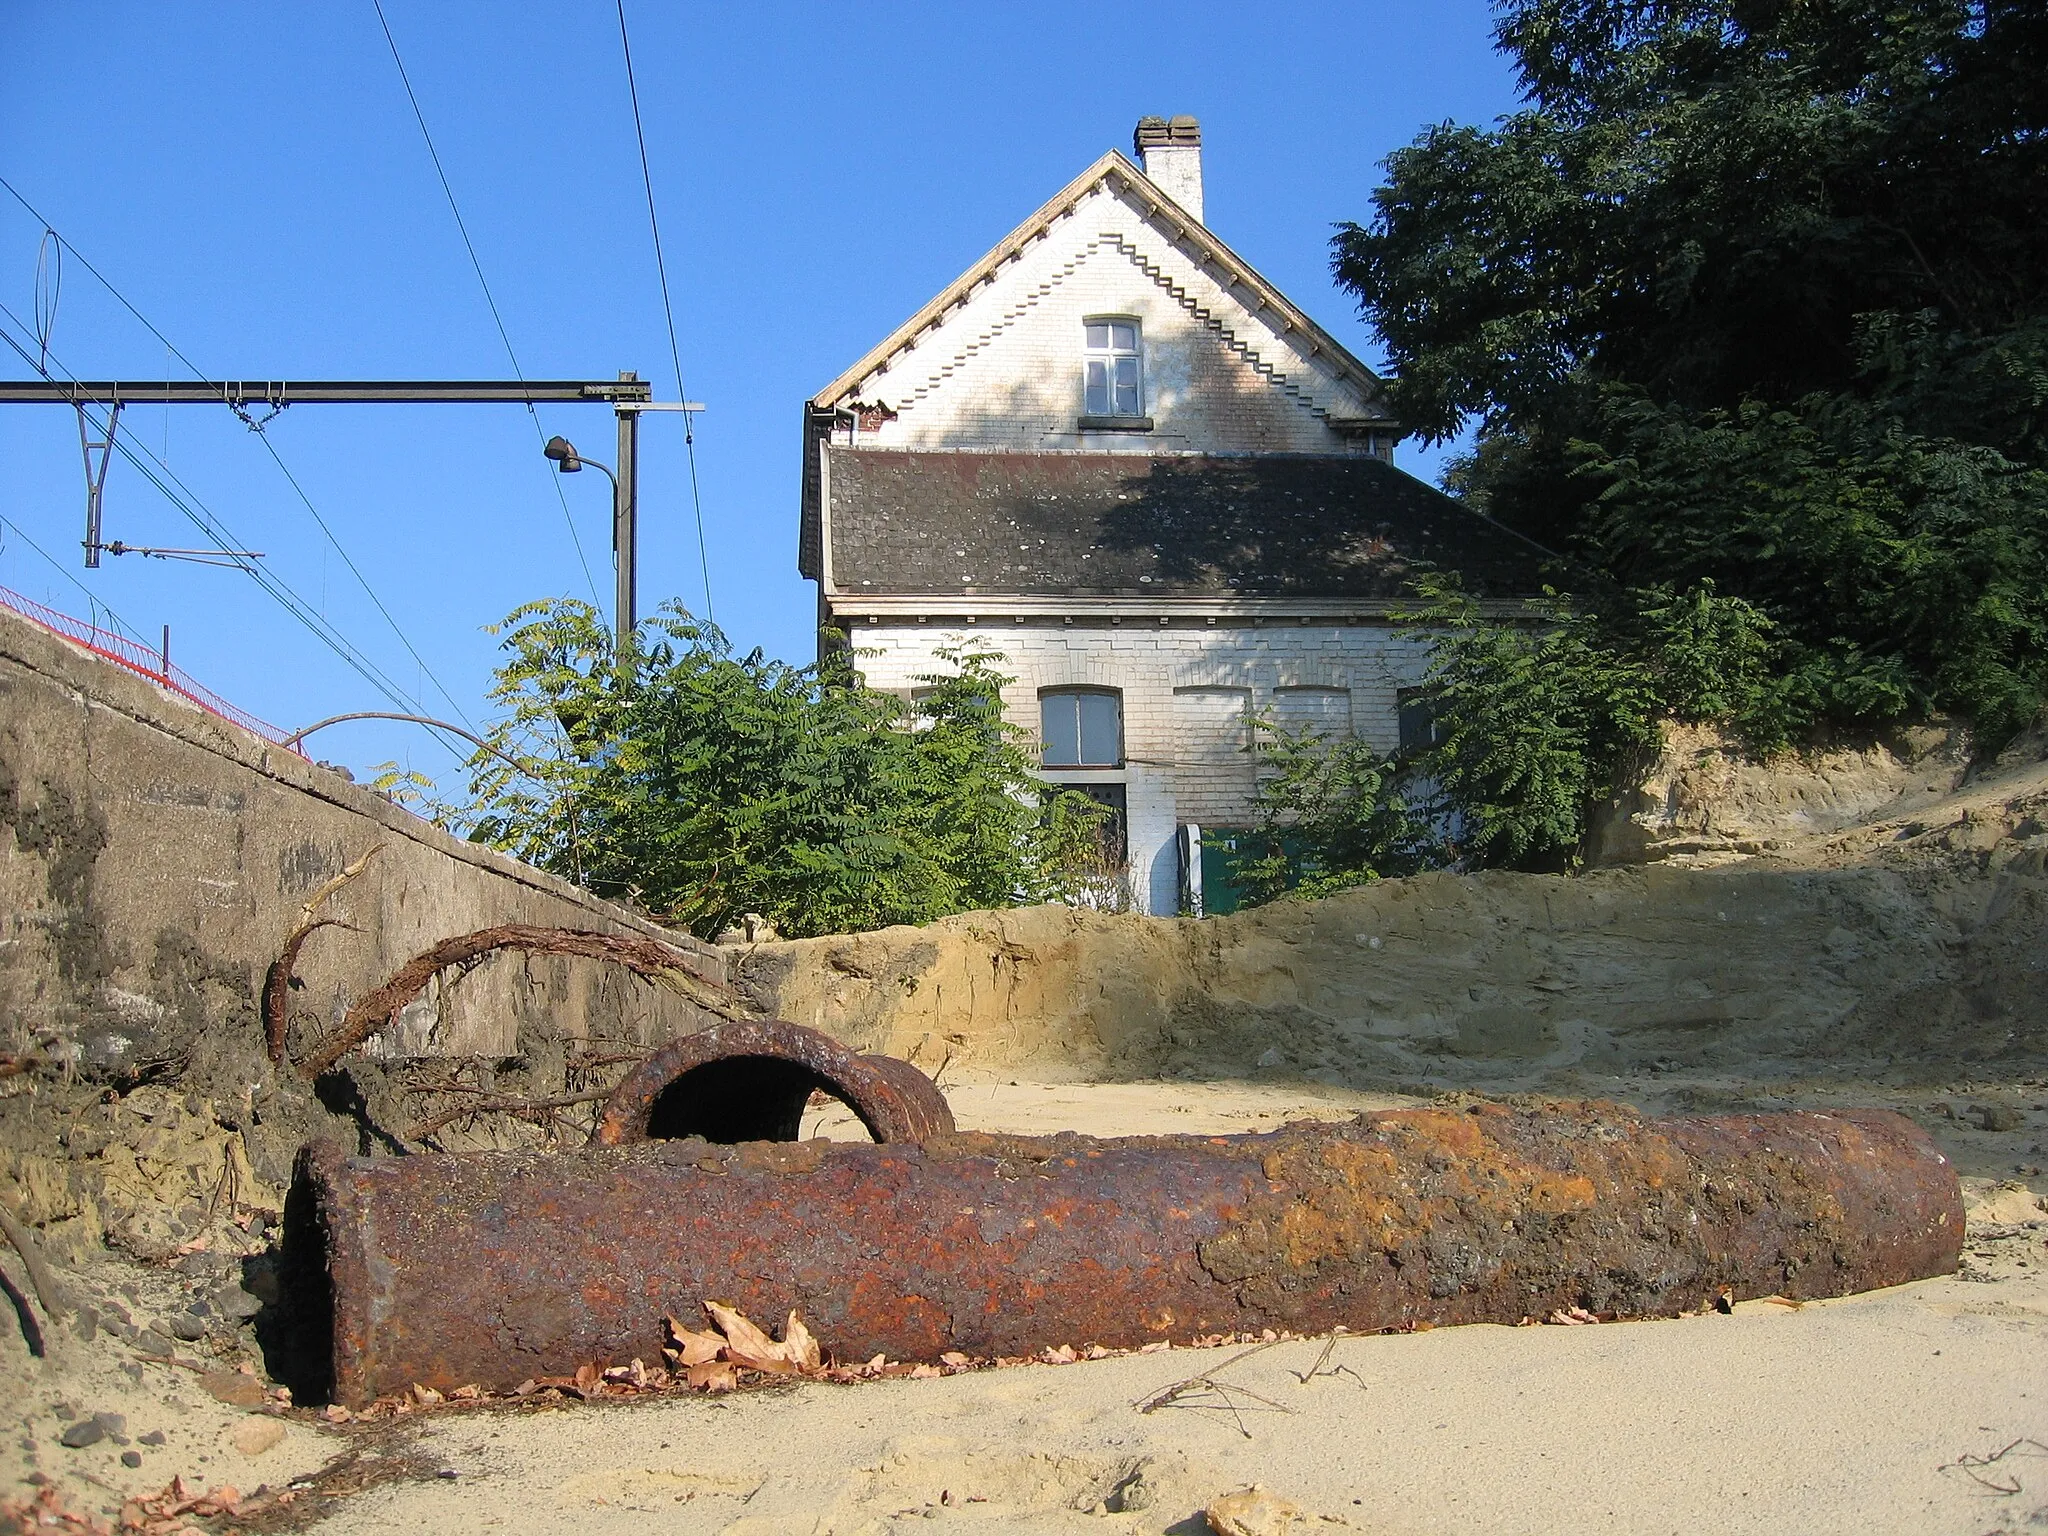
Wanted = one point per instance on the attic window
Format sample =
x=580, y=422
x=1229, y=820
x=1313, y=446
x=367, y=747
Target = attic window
x=1115, y=372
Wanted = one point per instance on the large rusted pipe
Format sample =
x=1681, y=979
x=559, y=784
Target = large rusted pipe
x=493, y=1267
x=749, y=1080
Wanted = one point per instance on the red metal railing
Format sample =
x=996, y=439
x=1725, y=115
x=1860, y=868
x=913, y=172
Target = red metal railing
x=141, y=660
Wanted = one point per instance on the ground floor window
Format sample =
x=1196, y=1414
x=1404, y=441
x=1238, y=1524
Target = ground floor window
x=1082, y=727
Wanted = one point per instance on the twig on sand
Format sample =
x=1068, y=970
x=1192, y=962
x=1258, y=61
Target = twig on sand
x=1337, y=1335
x=38, y=1274
x=2004, y=1485
x=31, y=1330
x=1190, y=1392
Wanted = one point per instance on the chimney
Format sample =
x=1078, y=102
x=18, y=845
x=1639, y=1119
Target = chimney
x=1170, y=150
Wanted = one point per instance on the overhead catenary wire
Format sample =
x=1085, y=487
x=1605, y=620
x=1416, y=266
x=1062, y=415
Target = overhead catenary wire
x=476, y=264
x=668, y=312
x=326, y=531
x=202, y=517
x=98, y=603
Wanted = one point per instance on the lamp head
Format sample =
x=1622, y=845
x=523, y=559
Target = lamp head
x=563, y=452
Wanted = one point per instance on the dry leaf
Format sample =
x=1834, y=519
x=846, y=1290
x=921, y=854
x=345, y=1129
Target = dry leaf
x=799, y=1347
x=589, y=1381
x=740, y=1333
x=955, y=1359
x=469, y=1393
x=426, y=1397
x=1784, y=1301
x=712, y=1376
x=688, y=1347
x=525, y=1387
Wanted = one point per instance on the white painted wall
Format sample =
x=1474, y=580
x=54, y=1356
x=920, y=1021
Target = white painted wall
x=1004, y=369
x=1188, y=687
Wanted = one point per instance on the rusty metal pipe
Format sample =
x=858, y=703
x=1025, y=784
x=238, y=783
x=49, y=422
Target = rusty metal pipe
x=749, y=1080
x=493, y=1267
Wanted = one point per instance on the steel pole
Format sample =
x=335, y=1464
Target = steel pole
x=625, y=519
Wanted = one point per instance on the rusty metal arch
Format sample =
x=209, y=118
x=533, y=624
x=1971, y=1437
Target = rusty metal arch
x=749, y=1079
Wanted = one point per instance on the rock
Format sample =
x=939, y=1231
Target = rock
x=1132, y=1495
x=257, y=1436
x=112, y=1423
x=1253, y=1512
x=233, y=1301
x=183, y=1326
x=87, y=1325
x=131, y=1459
x=154, y=1437
x=85, y=1432
x=1997, y=1117
x=233, y=1388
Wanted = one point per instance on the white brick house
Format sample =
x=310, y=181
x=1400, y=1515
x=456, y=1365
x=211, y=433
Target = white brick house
x=1115, y=453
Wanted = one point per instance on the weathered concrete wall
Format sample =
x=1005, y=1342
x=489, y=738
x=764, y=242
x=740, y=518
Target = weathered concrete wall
x=153, y=858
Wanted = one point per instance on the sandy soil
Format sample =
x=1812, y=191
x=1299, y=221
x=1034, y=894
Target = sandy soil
x=1895, y=962
x=1856, y=1415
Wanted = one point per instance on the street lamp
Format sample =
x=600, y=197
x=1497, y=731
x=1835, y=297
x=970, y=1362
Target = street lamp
x=624, y=535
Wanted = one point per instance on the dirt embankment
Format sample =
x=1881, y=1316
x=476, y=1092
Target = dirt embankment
x=1910, y=948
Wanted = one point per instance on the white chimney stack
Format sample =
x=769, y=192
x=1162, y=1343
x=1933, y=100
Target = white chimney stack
x=1170, y=150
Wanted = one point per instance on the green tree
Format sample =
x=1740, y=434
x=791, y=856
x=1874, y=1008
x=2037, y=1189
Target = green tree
x=1753, y=293
x=1332, y=813
x=706, y=785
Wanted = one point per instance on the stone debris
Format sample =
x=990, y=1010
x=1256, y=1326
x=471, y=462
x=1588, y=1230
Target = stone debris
x=1254, y=1511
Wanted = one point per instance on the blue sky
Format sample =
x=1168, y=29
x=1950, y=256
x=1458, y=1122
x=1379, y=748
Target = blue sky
x=252, y=179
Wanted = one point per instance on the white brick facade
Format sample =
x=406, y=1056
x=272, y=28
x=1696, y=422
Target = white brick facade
x=1187, y=688
x=1232, y=370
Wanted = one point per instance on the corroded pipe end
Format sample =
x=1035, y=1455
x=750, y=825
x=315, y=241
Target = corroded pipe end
x=749, y=1080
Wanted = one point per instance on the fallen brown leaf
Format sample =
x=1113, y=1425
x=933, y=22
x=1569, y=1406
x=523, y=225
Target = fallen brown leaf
x=740, y=1332
x=799, y=1347
x=713, y=1376
x=688, y=1347
x=1571, y=1317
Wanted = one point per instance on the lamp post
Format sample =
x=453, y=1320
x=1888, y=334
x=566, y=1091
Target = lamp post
x=625, y=534
x=625, y=488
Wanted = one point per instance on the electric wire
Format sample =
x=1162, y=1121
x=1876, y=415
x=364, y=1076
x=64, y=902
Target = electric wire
x=92, y=597
x=668, y=312
x=269, y=446
x=202, y=517
x=448, y=191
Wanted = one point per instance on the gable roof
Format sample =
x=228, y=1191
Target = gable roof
x=1024, y=524
x=1184, y=226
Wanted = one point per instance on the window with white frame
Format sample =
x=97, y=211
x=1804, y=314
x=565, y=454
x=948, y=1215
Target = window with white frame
x=1082, y=727
x=1116, y=376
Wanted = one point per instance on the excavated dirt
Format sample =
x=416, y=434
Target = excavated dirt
x=1894, y=958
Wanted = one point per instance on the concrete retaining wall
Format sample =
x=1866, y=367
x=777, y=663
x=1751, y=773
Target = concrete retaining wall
x=154, y=857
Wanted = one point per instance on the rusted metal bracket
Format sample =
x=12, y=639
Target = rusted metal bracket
x=489, y=1268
